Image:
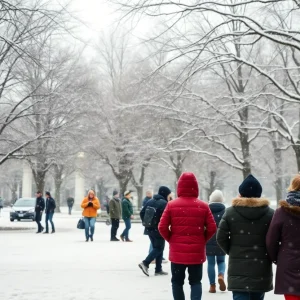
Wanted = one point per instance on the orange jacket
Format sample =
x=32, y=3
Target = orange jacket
x=90, y=211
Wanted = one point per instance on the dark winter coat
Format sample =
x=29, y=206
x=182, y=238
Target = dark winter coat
x=50, y=205
x=70, y=201
x=127, y=210
x=242, y=235
x=159, y=203
x=283, y=244
x=146, y=199
x=212, y=247
x=39, y=204
x=187, y=223
x=115, y=208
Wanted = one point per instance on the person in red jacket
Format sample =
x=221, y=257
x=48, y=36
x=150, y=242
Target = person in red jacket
x=187, y=224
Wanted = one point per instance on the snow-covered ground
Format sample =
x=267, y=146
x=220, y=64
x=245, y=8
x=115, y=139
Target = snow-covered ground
x=63, y=266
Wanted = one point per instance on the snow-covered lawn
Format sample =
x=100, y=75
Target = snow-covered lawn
x=64, y=267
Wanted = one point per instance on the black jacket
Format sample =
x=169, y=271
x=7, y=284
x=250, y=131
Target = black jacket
x=159, y=203
x=39, y=204
x=212, y=247
x=242, y=235
x=50, y=205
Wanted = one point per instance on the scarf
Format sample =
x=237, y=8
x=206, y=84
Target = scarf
x=293, y=198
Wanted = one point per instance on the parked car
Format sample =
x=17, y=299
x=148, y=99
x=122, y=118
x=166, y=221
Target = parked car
x=23, y=208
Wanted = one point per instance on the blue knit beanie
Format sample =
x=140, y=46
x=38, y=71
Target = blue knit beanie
x=250, y=188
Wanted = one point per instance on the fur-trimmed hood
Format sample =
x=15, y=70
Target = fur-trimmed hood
x=251, y=208
x=293, y=210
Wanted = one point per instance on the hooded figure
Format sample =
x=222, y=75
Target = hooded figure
x=187, y=224
x=242, y=235
x=283, y=243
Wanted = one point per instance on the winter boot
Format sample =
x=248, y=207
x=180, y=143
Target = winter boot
x=222, y=285
x=212, y=288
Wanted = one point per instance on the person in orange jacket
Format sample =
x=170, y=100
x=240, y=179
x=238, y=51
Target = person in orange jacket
x=90, y=205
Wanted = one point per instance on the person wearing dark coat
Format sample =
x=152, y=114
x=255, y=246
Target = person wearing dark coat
x=283, y=243
x=50, y=208
x=159, y=203
x=214, y=253
x=70, y=202
x=115, y=213
x=39, y=208
x=242, y=235
x=127, y=215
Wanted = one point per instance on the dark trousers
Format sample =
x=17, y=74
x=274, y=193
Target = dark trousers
x=70, y=210
x=38, y=219
x=195, y=277
x=158, y=244
x=248, y=296
x=49, y=217
x=125, y=233
x=114, y=228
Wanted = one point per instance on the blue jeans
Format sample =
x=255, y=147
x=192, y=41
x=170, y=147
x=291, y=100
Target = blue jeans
x=89, y=223
x=125, y=233
x=157, y=252
x=248, y=296
x=211, y=263
x=49, y=217
x=195, y=278
x=151, y=248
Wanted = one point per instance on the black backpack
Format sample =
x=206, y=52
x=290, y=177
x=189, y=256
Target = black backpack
x=149, y=217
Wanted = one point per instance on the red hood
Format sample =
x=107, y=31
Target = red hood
x=187, y=186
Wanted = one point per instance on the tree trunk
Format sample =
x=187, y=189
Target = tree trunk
x=140, y=194
x=297, y=153
x=58, y=184
x=122, y=186
x=39, y=179
x=246, y=153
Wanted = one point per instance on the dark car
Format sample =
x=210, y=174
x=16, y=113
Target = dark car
x=23, y=209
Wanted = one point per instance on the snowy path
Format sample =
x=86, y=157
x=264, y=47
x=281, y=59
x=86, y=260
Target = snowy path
x=64, y=267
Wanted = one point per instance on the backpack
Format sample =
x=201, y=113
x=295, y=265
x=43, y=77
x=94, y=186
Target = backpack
x=149, y=220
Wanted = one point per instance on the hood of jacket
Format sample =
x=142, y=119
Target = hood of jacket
x=216, y=207
x=158, y=197
x=291, y=209
x=251, y=208
x=187, y=186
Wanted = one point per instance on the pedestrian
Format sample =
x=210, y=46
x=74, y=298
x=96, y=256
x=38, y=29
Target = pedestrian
x=187, y=224
x=151, y=215
x=70, y=202
x=50, y=208
x=107, y=204
x=39, y=208
x=214, y=254
x=283, y=243
x=242, y=235
x=90, y=205
x=148, y=197
x=1, y=205
x=127, y=215
x=115, y=212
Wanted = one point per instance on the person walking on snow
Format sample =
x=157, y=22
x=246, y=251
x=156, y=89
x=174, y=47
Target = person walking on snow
x=115, y=212
x=214, y=254
x=127, y=215
x=70, y=202
x=151, y=215
x=283, y=243
x=50, y=208
x=39, y=208
x=242, y=235
x=187, y=224
x=90, y=205
x=1, y=205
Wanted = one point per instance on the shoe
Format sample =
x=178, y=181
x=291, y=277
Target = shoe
x=144, y=268
x=38, y=232
x=92, y=239
x=129, y=241
x=212, y=289
x=42, y=229
x=153, y=262
x=87, y=239
x=53, y=231
x=122, y=238
x=164, y=261
x=46, y=232
x=161, y=273
x=114, y=240
x=222, y=285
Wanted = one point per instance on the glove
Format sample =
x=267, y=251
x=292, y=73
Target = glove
x=90, y=204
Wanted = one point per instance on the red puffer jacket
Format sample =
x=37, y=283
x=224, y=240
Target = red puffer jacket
x=187, y=223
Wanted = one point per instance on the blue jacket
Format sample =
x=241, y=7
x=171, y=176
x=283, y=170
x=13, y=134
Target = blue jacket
x=212, y=247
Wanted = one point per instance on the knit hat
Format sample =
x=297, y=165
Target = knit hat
x=293, y=198
x=250, y=188
x=216, y=196
x=115, y=192
x=164, y=192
